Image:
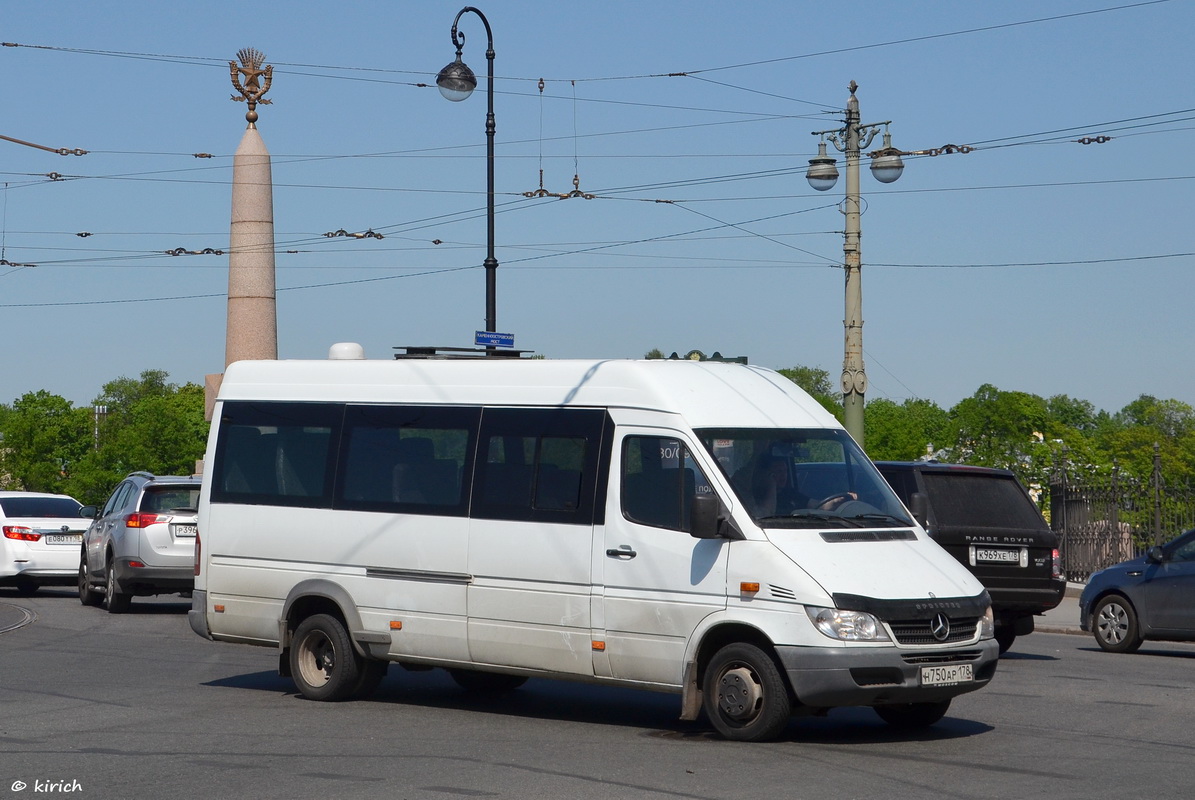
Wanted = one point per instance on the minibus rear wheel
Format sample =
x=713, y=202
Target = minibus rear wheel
x=745, y=696
x=323, y=664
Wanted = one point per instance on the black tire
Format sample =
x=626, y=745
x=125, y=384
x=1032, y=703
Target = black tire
x=115, y=601
x=87, y=595
x=1005, y=636
x=486, y=682
x=323, y=663
x=745, y=696
x=908, y=716
x=1114, y=623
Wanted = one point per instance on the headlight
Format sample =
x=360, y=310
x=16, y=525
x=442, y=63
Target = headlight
x=987, y=625
x=848, y=626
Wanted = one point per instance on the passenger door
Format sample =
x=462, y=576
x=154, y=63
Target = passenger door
x=530, y=538
x=1169, y=589
x=657, y=582
x=100, y=531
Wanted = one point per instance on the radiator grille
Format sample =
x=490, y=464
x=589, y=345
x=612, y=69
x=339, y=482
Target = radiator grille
x=918, y=631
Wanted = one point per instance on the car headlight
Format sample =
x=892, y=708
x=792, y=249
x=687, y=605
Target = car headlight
x=987, y=625
x=848, y=626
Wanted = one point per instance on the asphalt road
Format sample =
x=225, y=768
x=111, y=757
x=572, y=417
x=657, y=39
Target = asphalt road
x=136, y=706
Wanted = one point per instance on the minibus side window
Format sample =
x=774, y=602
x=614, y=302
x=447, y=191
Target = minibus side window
x=539, y=464
x=409, y=459
x=540, y=472
x=276, y=454
x=659, y=481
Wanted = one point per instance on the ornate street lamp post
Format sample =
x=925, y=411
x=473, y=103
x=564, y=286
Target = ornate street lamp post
x=456, y=82
x=886, y=166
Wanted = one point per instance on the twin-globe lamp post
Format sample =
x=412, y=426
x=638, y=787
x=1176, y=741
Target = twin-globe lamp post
x=456, y=82
x=886, y=166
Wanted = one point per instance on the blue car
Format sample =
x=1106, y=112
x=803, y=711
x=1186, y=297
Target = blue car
x=1149, y=597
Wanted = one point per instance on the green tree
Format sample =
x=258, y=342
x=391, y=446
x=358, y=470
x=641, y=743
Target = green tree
x=655, y=352
x=150, y=425
x=999, y=429
x=45, y=439
x=1128, y=438
x=1071, y=413
x=907, y=431
x=817, y=383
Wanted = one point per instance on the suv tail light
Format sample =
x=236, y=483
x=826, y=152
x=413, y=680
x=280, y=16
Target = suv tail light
x=143, y=520
x=21, y=533
x=1057, y=564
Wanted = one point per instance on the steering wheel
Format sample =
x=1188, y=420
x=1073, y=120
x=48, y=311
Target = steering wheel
x=833, y=501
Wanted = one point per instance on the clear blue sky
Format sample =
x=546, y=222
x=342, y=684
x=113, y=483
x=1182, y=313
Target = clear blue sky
x=1034, y=263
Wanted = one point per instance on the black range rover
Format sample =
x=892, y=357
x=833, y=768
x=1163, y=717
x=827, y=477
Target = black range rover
x=985, y=519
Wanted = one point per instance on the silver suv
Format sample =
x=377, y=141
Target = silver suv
x=141, y=543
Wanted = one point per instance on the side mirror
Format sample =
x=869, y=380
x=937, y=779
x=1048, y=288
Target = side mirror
x=919, y=505
x=1156, y=555
x=703, y=516
x=88, y=512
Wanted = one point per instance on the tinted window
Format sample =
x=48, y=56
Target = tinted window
x=902, y=481
x=170, y=498
x=407, y=458
x=973, y=500
x=1182, y=548
x=276, y=454
x=118, y=499
x=35, y=507
x=539, y=464
x=659, y=481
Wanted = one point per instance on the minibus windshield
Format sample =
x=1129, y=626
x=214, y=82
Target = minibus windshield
x=804, y=478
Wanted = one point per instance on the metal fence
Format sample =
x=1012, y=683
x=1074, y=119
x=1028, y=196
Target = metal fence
x=1103, y=520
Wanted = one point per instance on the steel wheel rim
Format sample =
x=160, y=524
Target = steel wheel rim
x=317, y=659
x=740, y=695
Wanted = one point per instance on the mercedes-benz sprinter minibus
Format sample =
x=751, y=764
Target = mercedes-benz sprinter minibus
x=700, y=528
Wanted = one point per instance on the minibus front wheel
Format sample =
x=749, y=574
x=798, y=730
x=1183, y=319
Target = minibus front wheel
x=745, y=695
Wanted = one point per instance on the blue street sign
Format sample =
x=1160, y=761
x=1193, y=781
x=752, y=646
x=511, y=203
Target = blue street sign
x=492, y=339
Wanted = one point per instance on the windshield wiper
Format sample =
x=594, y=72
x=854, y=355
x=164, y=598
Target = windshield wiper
x=825, y=516
x=880, y=516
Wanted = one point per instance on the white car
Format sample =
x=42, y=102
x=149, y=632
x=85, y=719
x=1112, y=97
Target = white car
x=42, y=534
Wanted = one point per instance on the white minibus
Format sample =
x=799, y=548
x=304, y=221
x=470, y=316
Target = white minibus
x=700, y=528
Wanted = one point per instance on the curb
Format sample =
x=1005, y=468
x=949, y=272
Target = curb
x=1060, y=629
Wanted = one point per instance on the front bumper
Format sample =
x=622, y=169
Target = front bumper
x=828, y=677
